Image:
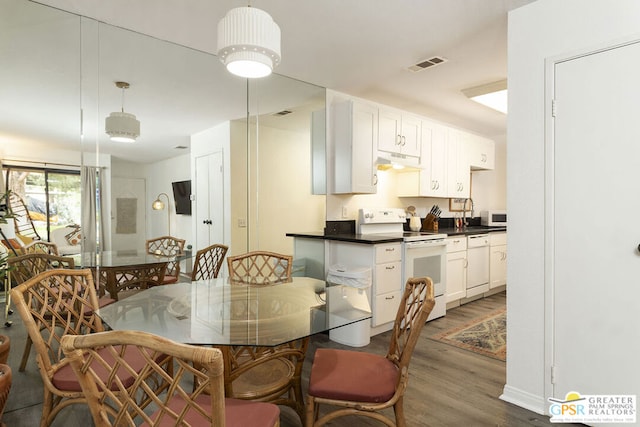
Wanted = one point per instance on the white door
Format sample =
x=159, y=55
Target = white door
x=209, y=200
x=596, y=290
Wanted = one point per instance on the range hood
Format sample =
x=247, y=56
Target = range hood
x=387, y=160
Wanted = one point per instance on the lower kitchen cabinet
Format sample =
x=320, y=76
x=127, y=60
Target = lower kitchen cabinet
x=456, y=268
x=498, y=260
x=385, y=261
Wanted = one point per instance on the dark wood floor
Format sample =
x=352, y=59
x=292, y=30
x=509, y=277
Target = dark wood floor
x=447, y=387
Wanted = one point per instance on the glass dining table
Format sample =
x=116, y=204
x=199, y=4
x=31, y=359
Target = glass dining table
x=217, y=312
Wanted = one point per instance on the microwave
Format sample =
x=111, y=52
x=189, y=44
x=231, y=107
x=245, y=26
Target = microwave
x=493, y=218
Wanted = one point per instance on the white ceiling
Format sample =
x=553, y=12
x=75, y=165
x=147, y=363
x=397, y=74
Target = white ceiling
x=360, y=47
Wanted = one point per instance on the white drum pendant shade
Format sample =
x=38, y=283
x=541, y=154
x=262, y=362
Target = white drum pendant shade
x=122, y=127
x=249, y=42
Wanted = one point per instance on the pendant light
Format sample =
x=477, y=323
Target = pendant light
x=121, y=126
x=249, y=42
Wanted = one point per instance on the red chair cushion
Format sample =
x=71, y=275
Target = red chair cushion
x=238, y=413
x=65, y=379
x=352, y=375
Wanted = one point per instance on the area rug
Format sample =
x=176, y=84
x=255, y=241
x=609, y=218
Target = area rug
x=485, y=335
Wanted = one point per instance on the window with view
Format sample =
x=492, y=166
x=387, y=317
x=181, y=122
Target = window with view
x=43, y=199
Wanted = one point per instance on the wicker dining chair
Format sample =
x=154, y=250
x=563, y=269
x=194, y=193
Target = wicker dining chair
x=260, y=267
x=27, y=266
x=361, y=383
x=167, y=246
x=271, y=374
x=51, y=305
x=113, y=403
x=208, y=262
x=41, y=246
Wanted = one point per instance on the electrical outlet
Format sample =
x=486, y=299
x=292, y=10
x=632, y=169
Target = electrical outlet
x=345, y=212
x=242, y=223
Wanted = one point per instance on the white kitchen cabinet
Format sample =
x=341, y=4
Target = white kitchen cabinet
x=355, y=136
x=385, y=261
x=482, y=153
x=431, y=179
x=456, y=268
x=399, y=132
x=498, y=260
x=458, y=170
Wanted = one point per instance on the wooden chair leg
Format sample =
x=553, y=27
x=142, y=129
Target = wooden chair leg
x=25, y=355
x=398, y=409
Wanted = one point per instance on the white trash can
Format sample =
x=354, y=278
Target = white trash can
x=359, y=279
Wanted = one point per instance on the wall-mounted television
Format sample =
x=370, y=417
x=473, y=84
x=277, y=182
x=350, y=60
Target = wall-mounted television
x=182, y=197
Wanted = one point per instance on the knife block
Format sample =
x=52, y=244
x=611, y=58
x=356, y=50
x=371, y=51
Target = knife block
x=430, y=223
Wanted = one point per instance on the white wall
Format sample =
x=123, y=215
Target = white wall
x=159, y=176
x=543, y=29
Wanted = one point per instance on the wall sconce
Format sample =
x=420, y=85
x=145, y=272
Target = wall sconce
x=158, y=205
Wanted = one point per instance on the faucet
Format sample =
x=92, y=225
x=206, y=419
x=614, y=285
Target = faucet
x=464, y=211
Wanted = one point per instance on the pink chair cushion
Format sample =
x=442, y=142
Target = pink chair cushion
x=353, y=376
x=238, y=413
x=65, y=378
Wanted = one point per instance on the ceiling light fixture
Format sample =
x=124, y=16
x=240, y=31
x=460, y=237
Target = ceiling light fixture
x=492, y=95
x=121, y=126
x=249, y=42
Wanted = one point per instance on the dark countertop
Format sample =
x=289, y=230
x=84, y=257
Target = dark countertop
x=373, y=239
x=370, y=239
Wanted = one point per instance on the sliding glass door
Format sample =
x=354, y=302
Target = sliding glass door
x=43, y=199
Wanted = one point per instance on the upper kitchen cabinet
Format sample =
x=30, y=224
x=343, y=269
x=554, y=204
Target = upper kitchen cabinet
x=482, y=153
x=399, y=132
x=431, y=179
x=458, y=169
x=355, y=137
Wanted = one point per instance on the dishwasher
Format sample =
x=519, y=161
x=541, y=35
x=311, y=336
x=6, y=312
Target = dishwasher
x=477, y=264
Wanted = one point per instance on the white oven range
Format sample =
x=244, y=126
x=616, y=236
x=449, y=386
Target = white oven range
x=424, y=253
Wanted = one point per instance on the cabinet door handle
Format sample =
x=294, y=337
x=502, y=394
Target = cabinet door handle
x=398, y=139
x=391, y=297
x=404, y=141
x=375, y=179
x=390, y=268
x=390, y=249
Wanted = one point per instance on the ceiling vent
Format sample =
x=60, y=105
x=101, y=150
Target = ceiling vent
x=428, y=63
x=282, y=113
x=180, y=147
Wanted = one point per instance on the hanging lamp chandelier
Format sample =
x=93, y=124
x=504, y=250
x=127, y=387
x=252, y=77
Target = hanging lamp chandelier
x=121, y=126
x=249, y=42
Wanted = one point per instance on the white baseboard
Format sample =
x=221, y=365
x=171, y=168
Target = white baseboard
x=532, y=402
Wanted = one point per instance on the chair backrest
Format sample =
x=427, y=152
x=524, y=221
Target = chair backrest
x=40, y=246
x=260, y=267
x=22, y=221
x=208, y=262
x=27, y=266
x=167, y=246
x=416, y=304
x=53, y=304
x=113, y=403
